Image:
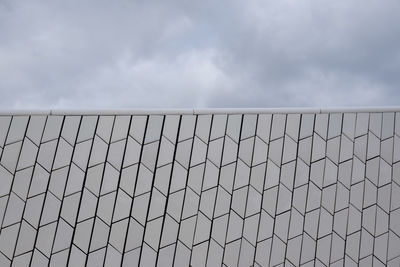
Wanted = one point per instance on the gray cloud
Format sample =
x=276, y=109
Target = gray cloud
x=101, y=54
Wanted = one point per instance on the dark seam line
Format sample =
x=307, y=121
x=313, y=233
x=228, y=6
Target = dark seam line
x=349, y=189
x=151, y=189
x=363, y=198
x=13, y=173
x=135, y=184
x=83, y=188
x=263, y=186
x=112, y=223
x=12, y=184
x=248, y=185
x=308, y=189
x=233, y=183
x=279, y=185
x=184, y=196
x=65, y=187
x=199, y=196
x=100, y=186
x=47, y=189
x=164, y=215
x=292, y=191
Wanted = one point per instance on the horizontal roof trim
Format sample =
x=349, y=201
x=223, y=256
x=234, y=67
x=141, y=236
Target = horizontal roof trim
x=197, y=111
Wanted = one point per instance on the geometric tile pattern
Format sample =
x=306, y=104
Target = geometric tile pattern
x=276, y=189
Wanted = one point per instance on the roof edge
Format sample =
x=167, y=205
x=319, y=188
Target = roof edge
x=199, y=111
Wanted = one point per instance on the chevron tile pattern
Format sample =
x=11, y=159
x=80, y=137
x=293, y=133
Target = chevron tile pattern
x=200, y=190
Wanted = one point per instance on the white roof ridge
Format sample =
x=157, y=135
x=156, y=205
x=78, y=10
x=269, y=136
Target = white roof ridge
x=187, y=111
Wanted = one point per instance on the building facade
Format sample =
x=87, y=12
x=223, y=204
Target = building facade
x=266, y=187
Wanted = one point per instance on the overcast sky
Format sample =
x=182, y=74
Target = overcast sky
x=176, y=54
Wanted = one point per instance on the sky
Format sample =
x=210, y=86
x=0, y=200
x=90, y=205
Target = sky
x=204, y=54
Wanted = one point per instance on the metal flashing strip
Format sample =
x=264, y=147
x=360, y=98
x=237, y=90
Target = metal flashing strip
x=199, y=111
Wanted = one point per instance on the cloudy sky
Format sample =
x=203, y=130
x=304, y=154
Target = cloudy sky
x=177, y=54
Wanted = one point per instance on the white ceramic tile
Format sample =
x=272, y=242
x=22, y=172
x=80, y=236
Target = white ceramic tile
x=229, y=153
x=264, y=126
x=116, y=153
x=275, y=151
x=8, y=240
x=332, y=149
x=293, y=126
x=250, y=229
x=349, y=124
x=4, y=126
x=110, y=179
x=53, y=128
x=88, y=205
x=335, y=124
x=134, y=235
x=170, y=231
x=175, y=204
x=277, y=251
x=304, y=150
x=6, y=179
x=246, y=150
x=362, y=122
x=195, y=178
x=105, y=127
x=220, y=225
x=183, y=152
x=70, y=128
x=321, y=125
x=211, y=176
x=187, y=127
x=17, y=129
x=307, y=125
x=375, y=123
x=113, y=258
x=266, y=226
x=157, y=205
x=278, y=126
x=263, y=252
x=171, y=125
x=281, y=229
x=186, y=231
x=63, y=236
x=203, y=228
x=207, y=202
x=10, y=155
x=153, y=130
x=199, y=152
x=87, y=128
x=249, y=125
x=50, y=210
x=105, y=207
x=120, y=128
x=161, y=179
x=122, y=206
x=45, y=238
x=289, y=150
x=231, y=253
x=233, y=127
x=346, y=149
x=138, y=127
x=218, y=126
x=242, y=175
x=203, y=127
x=318, y=148
x=14, y=210
x=215, y=150
x=215, y=258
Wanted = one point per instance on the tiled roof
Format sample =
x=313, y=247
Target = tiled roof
x=215, y=187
